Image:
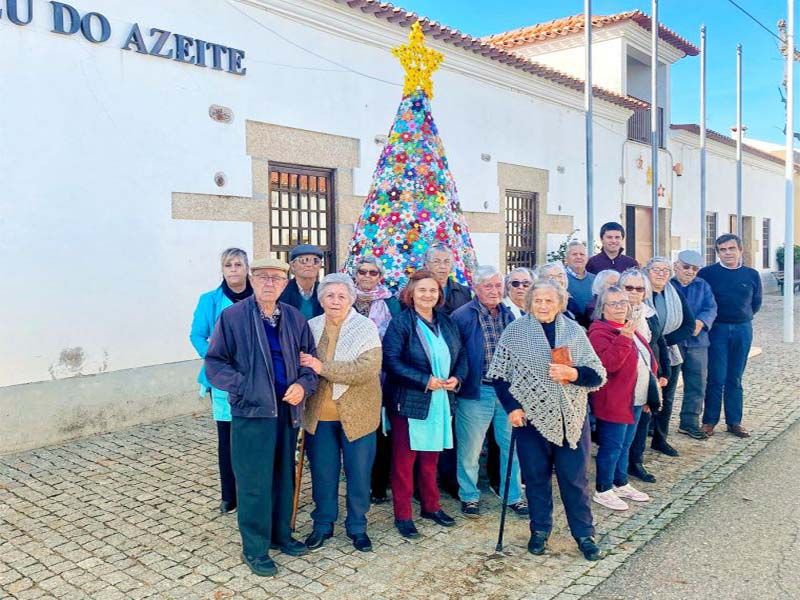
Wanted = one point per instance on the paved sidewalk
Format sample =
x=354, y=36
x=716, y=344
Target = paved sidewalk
x=132, y=514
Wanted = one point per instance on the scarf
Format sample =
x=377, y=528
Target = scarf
x=523, y=359
x=372, y=304
x=673, y=321
x=357, y=335
x=639, y=315
x=237, y=296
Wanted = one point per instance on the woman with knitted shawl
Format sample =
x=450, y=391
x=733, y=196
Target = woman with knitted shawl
x=545, y=395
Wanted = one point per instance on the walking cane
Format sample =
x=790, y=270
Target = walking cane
x=298, y=474
x=511, y=450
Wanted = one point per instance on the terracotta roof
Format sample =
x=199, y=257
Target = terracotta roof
x=453, y=37
x=727, y=140
x=571, y=25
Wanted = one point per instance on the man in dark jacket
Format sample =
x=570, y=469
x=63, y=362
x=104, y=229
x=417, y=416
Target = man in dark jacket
x=439, y=261
x=254, y=356
x=611, y=256
x=694, y=349
x=306, y=263
x=481, y=323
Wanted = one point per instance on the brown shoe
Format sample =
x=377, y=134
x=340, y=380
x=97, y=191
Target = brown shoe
x=738, y=431
x=708, y=429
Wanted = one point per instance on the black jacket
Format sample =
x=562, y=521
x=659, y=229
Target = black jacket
x=291, y=296
x=239, y=362
x=408, y=369
x=455, y=296
x=659, y=347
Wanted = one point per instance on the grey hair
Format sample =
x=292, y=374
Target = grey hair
x=599, y=283
x=574, y=243
x=634, y=272
x=337, y=279
x=548, y=284
x=601, y=302
x=551, y=266
x=371, y=260
x=483, y=273
x=523, y=270
x=656, y=260
x=230, y=253
x=437, y=248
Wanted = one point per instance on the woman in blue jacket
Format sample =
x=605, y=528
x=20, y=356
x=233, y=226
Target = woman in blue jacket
x=235, y=286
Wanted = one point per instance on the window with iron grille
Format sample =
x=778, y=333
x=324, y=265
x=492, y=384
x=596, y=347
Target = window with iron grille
x=302, y=210
x=520, y=229
x=765, y=243
x=711, y=236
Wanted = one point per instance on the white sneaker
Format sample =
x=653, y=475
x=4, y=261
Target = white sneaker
x=631, y=493
x=610, y=500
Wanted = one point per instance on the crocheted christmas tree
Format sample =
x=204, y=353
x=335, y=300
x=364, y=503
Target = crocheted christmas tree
x=413, y=202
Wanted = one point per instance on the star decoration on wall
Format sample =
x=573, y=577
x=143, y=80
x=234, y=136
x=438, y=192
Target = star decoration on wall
x=418, y=61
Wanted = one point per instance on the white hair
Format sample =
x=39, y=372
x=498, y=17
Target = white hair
x=337, y=279
x=548, y=284
x=523, y=270
x=599, y=283
x=483, y=273
x=656, y=260
x=632, y=273
x=601, y=302
x=551, y=266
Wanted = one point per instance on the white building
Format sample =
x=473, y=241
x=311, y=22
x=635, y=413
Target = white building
x=129, y=167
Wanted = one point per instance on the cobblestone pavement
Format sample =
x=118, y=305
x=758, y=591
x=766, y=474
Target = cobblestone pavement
x=133, y=514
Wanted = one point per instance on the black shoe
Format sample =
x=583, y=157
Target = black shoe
x=470, y=509
x=317, y=539
x=538, y=542
x=440, y=517
x=379, y=499
x=361, y=542
x=637, y=470
x=261, y=565
x=226, y=507
x=693, y=432
x=664, y=448
x=590, y=550
x=407, y=529
x=292, y=547
x=520, y=508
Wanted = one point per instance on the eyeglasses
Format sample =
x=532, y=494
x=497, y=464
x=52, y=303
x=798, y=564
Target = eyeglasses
x=517, y=283
x=635, y=288
x=439, y=262
x=617, y=304
x=691, y=268
x=273, y=279
x=368, y=272
x=308, y=260
x=660, y=271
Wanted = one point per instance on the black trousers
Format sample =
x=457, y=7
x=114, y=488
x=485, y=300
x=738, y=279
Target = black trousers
x=227, y=480
x=448, y=466
x=382, y=466
x=537, y=457
x=662, y=417
x=262, y=452
x=636, y=454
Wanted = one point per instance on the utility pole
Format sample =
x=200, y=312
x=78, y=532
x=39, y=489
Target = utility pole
x=587, y=99
x=739, y=230
x=654, y=121
x=703, y=209
x=788, y=254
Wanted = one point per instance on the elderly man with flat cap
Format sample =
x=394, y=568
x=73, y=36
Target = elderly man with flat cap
x=306, y=263
x=254, y=355
x=694, y=349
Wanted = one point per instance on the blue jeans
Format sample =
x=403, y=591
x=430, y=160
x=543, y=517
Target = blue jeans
x=325, y=451
x=473, y=418
x=727, y=359
x=613, y=446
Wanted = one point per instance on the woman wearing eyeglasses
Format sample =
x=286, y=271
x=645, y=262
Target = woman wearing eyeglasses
x=517, y=283
x=617, y=406
x=375, y=301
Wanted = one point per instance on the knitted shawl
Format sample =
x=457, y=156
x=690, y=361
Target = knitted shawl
x=523, y=359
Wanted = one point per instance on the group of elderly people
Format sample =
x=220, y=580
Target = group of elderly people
x=402, y=390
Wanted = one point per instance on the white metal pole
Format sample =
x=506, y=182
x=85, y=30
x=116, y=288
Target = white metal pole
x=788, y=256
x=739, y=230
x=703, y=140
x=588, y=96
x=654, y=121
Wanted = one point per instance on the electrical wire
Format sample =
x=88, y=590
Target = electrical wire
x=760, y=24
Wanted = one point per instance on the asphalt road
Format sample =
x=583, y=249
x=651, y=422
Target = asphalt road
x=741, y=541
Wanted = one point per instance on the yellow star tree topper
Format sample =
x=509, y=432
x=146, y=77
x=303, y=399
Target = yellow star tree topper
x=418, y=61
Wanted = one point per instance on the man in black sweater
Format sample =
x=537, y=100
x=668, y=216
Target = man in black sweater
x=737, y=290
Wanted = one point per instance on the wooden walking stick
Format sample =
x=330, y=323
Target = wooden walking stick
x=511, y=449
x=298, y=474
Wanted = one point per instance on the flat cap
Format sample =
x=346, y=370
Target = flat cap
x=269, y=263
x=691, y=258
x=304, y=249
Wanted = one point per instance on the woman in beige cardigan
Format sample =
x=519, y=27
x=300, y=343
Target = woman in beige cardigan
x=341, y=418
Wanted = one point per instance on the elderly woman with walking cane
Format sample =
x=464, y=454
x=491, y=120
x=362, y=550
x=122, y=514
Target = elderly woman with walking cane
x=543, y=370
x=342, y=416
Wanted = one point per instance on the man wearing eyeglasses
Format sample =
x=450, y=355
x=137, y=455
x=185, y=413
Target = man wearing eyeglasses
x=439, y=261
x=254, y=355
x=306, y=262
x=694, y=349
